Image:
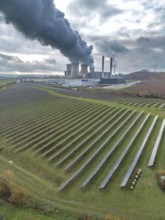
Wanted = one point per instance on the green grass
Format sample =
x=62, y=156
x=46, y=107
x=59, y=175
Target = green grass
x=38, y=212
x=5, y=83
x=41, y=179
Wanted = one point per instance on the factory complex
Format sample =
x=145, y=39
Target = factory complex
x=87, y=74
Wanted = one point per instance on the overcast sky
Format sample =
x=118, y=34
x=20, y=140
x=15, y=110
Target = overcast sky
x=131, y=31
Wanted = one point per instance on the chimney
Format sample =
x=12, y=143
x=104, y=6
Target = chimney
x=102, y=66
x=111, y=62
x=75, y=70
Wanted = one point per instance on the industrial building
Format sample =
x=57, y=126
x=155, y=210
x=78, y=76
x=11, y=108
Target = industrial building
x=73, y=72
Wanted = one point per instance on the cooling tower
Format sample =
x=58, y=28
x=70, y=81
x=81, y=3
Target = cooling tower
x=75, y=70
x=84, y=70
x=68, y=69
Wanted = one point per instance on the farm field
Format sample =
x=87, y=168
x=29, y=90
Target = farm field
x=155, y=87
x=73, y=153
x=148, y=89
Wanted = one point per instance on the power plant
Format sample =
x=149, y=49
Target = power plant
x=77, y=71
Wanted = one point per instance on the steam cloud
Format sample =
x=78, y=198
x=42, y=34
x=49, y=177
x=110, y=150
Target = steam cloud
x=41, y=20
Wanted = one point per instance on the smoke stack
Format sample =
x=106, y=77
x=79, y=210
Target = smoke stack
x=84, y=70
x=102, y=66
x=75, y=70
x=111, y=62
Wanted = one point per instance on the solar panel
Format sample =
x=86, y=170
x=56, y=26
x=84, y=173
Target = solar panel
x=155, y=148
x=118, y=162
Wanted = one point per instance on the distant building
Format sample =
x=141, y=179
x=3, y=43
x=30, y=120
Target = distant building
x=113, y=80
x=97, y=75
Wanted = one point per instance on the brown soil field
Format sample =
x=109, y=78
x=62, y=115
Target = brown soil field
x=156, y=88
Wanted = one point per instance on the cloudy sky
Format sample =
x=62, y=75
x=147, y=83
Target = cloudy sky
x=131, y=31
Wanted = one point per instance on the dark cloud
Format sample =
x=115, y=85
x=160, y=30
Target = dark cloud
x=1, y=18
x=132, y=54
x=92, y=8
x=143, y=40
x=10, y=63
x=123, y=32
x=8, y=58
x=145, y=53
x=151, y=42
x=110, y=47
x=107, y=46
x=51, y=61
x=145, y=58
x=160, y=15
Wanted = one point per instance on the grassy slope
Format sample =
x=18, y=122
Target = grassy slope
x=5, y=83
x=41, y=181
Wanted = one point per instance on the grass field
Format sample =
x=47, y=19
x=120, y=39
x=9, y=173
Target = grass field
x=49, y=136
x=6, y=82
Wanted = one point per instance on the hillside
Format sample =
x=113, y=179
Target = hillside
x=71, y=154
x=145, y=75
